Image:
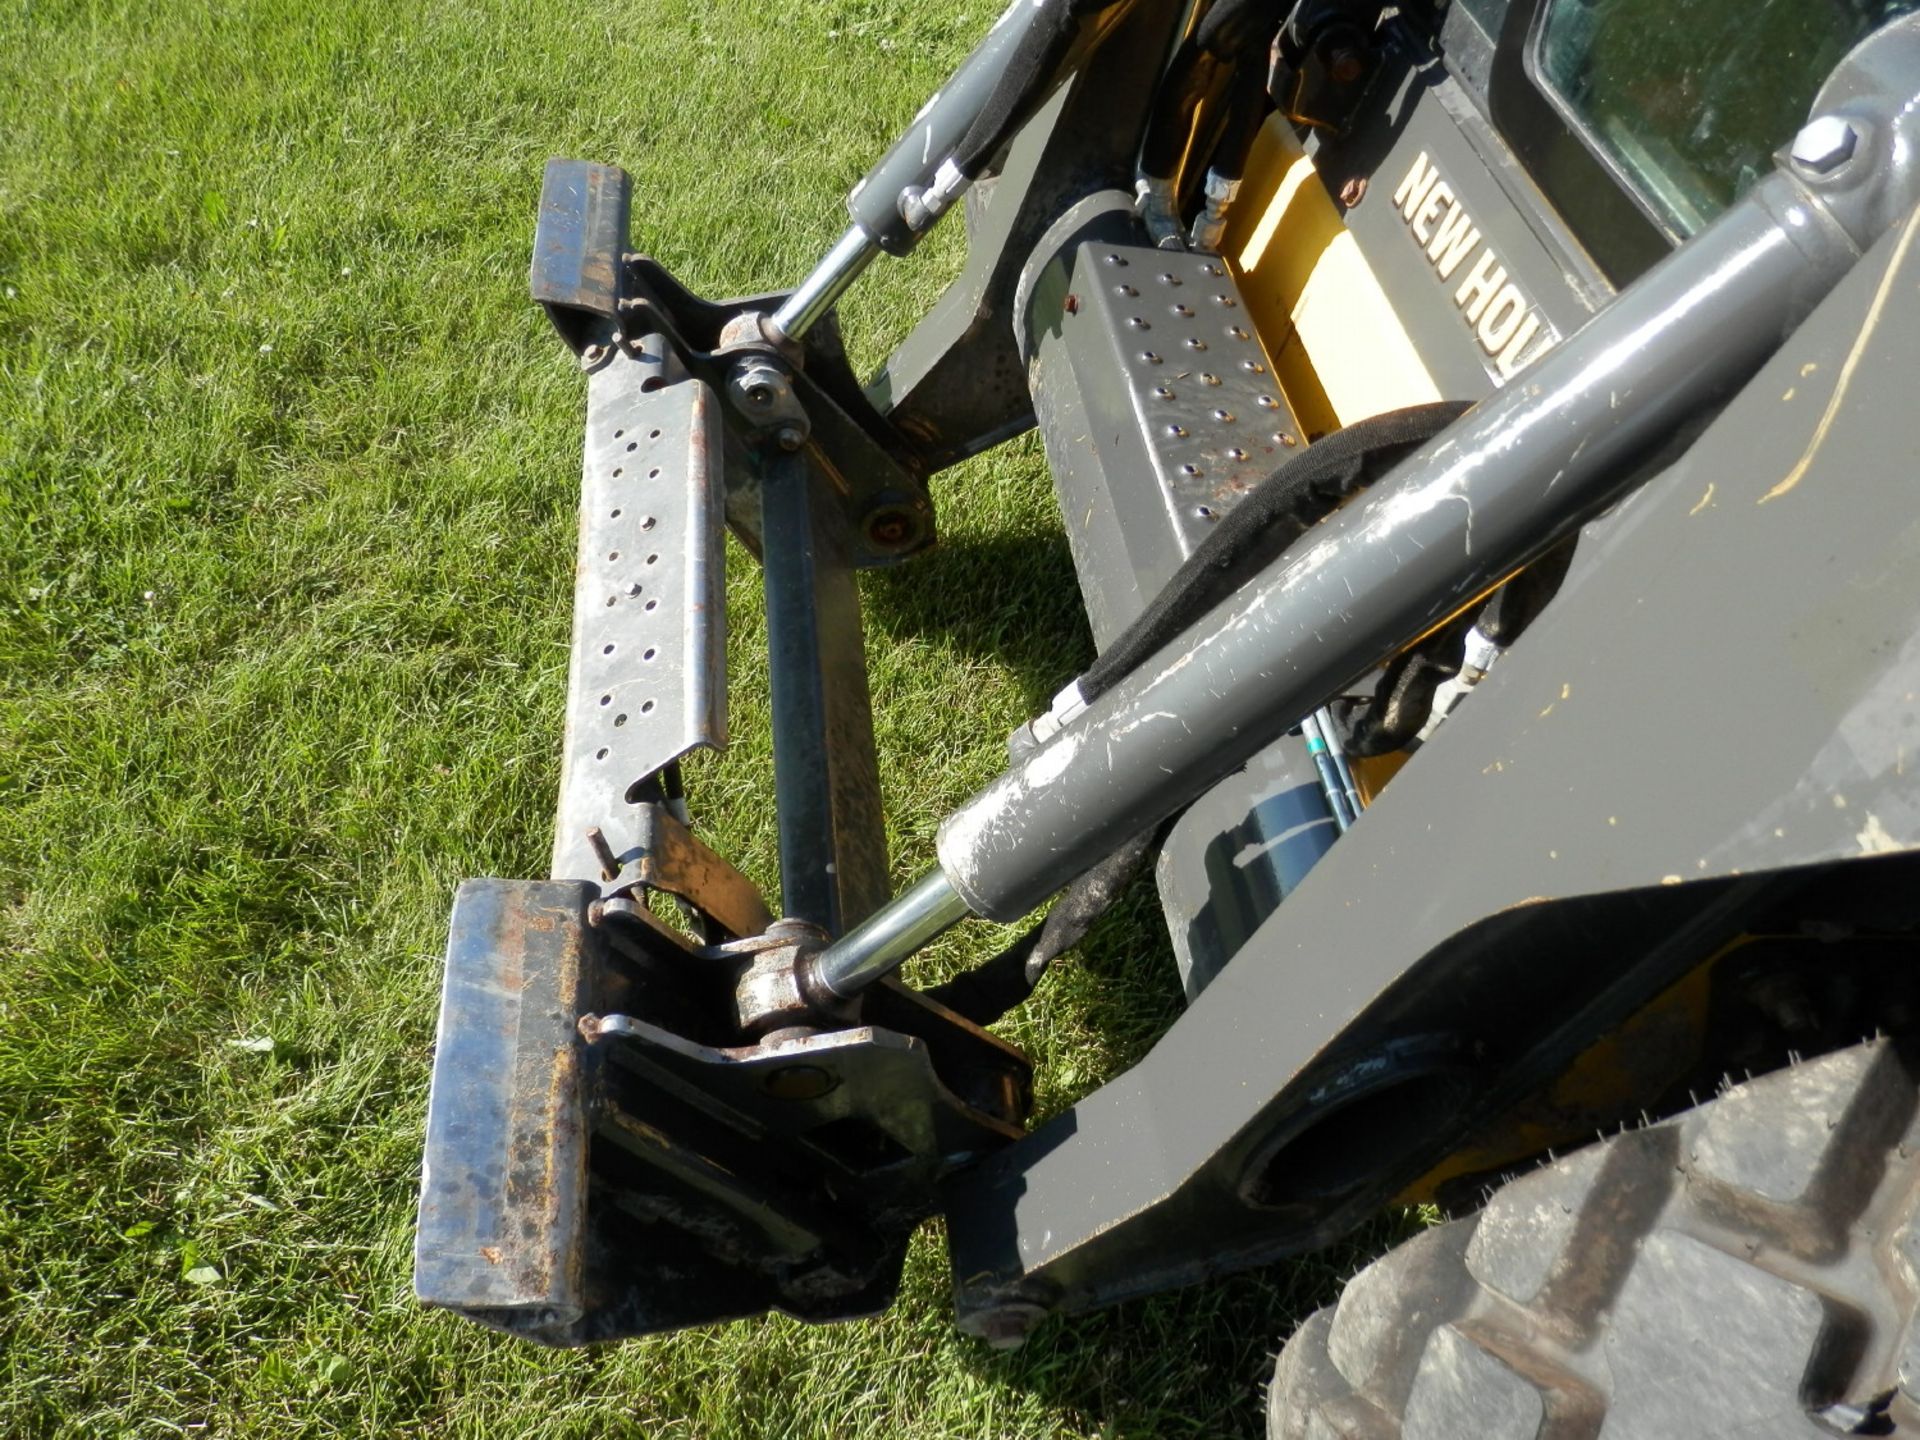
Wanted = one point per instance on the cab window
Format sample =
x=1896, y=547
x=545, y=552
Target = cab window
x=1688, y=101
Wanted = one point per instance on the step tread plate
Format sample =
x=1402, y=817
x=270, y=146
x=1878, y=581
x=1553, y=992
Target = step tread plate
x=647, y=680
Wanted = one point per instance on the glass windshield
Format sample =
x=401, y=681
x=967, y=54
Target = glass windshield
x=1691, y=99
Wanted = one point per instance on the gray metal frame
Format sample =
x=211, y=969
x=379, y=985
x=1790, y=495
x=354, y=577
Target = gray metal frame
x=1562, y=850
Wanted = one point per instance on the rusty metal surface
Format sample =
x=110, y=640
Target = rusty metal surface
x=577, y=245
x=503, y=1194
x=670, y=857
x=647, y=679
x=605, y=1159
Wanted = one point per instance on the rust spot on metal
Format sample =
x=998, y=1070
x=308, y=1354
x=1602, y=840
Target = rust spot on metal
x=891, y=528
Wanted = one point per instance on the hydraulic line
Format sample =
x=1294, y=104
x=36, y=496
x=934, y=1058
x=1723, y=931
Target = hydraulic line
x=1219, y=61
x=1315, y=728
x=1246, y=113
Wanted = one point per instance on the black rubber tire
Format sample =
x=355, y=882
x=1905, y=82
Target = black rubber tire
x=1747, y=1269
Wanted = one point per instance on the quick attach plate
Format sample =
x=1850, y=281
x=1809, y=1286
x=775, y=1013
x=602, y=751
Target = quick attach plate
x=594, y=1178
x=647, y=680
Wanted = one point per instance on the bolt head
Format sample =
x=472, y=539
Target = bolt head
x=1345, y=64
x=1824, y=144
x=891, y=528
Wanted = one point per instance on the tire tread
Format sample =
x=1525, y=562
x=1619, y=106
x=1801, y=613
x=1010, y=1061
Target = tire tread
x=1756, y=1259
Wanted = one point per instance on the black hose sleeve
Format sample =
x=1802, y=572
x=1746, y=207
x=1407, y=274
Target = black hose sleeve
x=1231, y=28
x=1246, y=113
x=1403, y=697
x=990, y=990
x=1193, y=76
x=1297, y=496
x=1230, y=33
x=1247, y=110
x=1516, y=604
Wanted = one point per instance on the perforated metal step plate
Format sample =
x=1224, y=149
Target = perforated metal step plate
x=647, y=682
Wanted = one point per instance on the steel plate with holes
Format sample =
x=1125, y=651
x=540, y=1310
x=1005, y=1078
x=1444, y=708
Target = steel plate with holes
x=1197, y=376
x=647, y=681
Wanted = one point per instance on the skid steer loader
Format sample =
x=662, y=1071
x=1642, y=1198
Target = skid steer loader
x=1481, y=430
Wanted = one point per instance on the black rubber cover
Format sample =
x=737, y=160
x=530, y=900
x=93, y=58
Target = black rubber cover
x=1297, y=496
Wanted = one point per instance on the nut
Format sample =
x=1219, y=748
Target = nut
x=1345, y=64
x=1824, y=144
x=891, y=528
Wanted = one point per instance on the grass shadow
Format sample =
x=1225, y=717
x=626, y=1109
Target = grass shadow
x=1188, y=1362
x=1009, y=598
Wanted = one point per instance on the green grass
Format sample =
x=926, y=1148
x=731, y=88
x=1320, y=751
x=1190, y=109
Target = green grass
x=288, y=468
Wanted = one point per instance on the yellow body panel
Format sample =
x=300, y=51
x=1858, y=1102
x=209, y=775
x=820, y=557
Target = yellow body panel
x=1339, y=352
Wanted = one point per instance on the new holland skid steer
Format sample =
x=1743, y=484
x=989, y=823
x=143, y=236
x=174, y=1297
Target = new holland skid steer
x=1488, y=437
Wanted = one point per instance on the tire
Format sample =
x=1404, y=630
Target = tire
x=1748, y=1269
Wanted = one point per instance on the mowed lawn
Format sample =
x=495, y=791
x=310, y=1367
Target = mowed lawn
x=288, y=468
